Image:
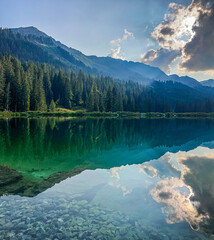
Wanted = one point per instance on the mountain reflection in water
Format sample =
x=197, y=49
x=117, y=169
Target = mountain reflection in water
x=45, y=146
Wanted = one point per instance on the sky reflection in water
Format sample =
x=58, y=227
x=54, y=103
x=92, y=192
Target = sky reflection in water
x=168, y=180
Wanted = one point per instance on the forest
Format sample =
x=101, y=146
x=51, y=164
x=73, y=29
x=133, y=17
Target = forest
x=30, y=86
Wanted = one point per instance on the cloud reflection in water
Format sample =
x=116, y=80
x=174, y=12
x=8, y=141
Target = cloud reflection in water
x=180, y=195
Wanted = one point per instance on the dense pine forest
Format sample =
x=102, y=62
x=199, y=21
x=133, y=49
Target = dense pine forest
x=32, y=86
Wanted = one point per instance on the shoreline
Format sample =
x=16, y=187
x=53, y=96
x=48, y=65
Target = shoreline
x=148, y=115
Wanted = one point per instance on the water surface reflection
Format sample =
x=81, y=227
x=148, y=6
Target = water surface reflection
x=137, y=181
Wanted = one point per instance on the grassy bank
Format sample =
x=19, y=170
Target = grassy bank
x=83, y=113
x=67, y=113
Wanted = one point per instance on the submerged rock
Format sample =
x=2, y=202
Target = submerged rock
x=14, y=183
x=8, y=176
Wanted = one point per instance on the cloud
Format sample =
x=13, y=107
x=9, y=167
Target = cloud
x=124, y=37
x=177, y=28
x=198, y=54
x=149, y=170
x=115, y=53
x=167, y=31
x=161, y=58
x=188, y=32
x=115, y=171
x=181, y=196
x=116, y=44
x=116, y=184
x=177, y=204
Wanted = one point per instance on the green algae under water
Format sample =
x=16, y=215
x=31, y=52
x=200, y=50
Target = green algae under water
x=64, y=178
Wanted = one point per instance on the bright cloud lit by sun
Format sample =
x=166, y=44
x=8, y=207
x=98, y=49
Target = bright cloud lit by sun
x=183, y=38
x=188, y=24
x=178, y=27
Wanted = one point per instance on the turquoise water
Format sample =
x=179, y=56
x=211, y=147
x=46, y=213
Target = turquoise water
x=106, y=179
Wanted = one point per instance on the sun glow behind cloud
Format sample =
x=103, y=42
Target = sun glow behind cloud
x=177, y=28
x=185, y=34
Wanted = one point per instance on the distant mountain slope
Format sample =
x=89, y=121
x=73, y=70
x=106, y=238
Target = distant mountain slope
x=191, y=82
x=32, y=44
x=125, y=70
x=29, y=31
x=208, y=83
x=49, y=44
x=17, y=45
x=37, y=47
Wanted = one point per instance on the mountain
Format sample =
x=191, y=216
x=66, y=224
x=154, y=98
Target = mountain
x=208, y=83
x=191, y=82
x=29, y=43
x=49, y=44
x=29, y=31
x=125, y=70
x=33, y=86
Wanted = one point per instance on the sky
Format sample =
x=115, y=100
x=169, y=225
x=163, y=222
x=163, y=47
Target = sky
x=176, y=36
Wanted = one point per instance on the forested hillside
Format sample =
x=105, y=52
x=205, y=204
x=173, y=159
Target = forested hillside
x=39, y=48
x=39, y=87
x=30, y=44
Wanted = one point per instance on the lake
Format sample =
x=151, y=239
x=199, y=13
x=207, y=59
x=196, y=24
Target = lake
x=88, y=178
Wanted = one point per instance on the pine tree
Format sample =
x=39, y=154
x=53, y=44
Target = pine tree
x=131, y=103
x=208, y=106
x=40, y=104
x=120, y=103
x=109, y=100
x=90, y=104
x=2, y=87
x=25, y=90
x=68, y=95
x=78, y=88
x=101, y=103
x=47, y=86
x=15, y=86
x=52, y=106
x=93, y=101
x=114, y=100
x=96, y=99
x=7, y=97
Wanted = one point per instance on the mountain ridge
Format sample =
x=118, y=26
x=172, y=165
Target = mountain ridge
x=116, y=68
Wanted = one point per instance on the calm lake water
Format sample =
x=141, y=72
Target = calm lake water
x=64, y=178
